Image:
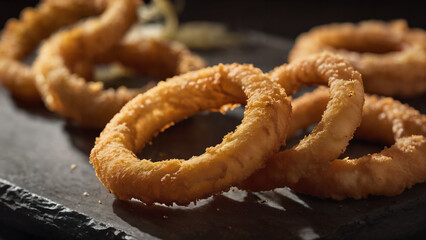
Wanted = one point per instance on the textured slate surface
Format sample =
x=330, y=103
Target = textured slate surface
x=39, y=193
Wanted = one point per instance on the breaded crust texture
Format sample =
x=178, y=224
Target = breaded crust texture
x=266, y=117
x=332, y=134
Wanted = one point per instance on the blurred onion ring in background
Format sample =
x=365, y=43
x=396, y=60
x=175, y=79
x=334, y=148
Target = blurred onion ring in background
x=20, y=38
x=390, y=56
x=66, y=61
x=387, y=173
x=71, y=51
x=332, y=134
x=266, y=117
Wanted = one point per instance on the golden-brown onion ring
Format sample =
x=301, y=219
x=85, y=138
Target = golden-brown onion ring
x=332, y=134
x=152, y=57
x=390, y=56
x=387, y=173
x=20, y=38
x=266, y=117
x=74, y=50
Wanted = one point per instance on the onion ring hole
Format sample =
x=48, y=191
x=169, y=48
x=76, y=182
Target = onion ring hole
x=192, y=136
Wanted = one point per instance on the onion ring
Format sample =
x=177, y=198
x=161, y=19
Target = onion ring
x=390, y=56
x=387, y=173
x=76, y=49
x=331, y=136
x=20, y=38
x=71, y=51
x=266, y=117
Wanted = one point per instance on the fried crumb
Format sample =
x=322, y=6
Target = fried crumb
x=161, y=155
x=85, y=194
x=73, y=166
x=218, y=209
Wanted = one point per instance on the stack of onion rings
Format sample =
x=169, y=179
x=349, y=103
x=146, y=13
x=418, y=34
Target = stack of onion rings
x=386, y=173
x=156, y=58
x=376, y=49
x=330, y=137
x=390, y=56
x=181, y=182
x=266, y=117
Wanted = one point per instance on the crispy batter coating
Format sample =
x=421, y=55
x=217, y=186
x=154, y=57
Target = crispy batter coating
x=266, y=117
x=332, y=134
x=20, y=38
x=390, y=56
x=387, y=173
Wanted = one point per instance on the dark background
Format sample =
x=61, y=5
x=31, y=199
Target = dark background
x=282, y=18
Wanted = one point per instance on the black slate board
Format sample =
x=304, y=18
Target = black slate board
x=40, y=195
